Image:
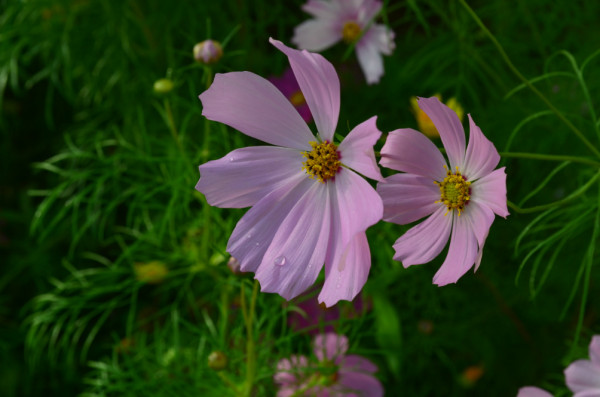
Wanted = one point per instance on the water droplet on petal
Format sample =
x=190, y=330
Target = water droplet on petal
x=280, y=260
x=248, y=235
x=231, y=159
x=257, y=243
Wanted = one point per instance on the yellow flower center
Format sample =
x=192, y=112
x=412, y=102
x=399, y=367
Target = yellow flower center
x=297, y=98
x=350, y=32
x=323, y=161
x=455, y=191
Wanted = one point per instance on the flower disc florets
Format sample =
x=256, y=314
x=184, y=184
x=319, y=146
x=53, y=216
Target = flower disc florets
x=455, y=191
x=350, y=32
x=323, y=161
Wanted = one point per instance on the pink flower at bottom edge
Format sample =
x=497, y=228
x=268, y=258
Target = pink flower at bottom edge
x=460, y=201
x=309, y=206
x=583, y=376
x=532, y=391
x=335, y=373
x=336, y=20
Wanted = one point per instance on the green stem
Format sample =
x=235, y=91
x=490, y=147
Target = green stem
x=567, y=199
x=172, y=128
x=589, y=258
x=250, y=347
x=526, y=82
x=551, y=157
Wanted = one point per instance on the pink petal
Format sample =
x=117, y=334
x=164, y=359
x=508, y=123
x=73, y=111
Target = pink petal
x=316, y=34
x=425, y=241
x=366, y=385
x=246, y=175
x=348, y=272
x=482, y=157
x=319, y=84
x=595, y=350
x=410, y=151
x=370, y=60
x=450, y=129
x=365, y=10
x=583, y=375
x=408, y=197
x=355, y=207
x=255, y=231
x=530, y=391
x=461, y=254
x=491, y=191
x=321, y=8
x=353, y=363
x=297, y=253
x=329, y=346
x=254, y=106
x=357, y=149
x=288, y=368
x=481, y=218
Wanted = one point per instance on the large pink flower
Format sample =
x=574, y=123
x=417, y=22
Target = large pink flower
x=309, y=206
x=347, y=20
x=460, y=201
x=583, y=376
x=335, y=374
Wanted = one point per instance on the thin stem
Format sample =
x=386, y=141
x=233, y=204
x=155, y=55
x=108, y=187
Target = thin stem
x=526, y=82
x=589, y=258
x=250, y=347
x=567, y=199
x=551, y=157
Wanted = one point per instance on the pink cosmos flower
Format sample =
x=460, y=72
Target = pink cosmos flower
x=460, y=200
x=335, y=374
x=347, y=20
x=309, y=206
x=583, y=376
x=288, y=85
x=531, y=391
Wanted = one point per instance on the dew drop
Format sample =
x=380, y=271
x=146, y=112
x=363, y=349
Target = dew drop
x=280, y=260
x=231, y=159
x=248, y=235
x=257, y=243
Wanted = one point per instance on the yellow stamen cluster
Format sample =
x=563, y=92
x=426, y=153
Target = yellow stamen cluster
x=455, y=191
x=323, y=161
x=350, y=32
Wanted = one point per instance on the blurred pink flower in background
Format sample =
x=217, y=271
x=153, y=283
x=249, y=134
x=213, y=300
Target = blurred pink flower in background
x=583, y=376
x=335, y=374
x=309, y=206
x=288, y=85
x=460, y=200
x=313, y=317
x=347, y=20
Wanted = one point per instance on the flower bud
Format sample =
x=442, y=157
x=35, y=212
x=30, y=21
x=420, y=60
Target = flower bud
x=217, y=360
x=152, y=272
x=163, y=86
x=208, y=51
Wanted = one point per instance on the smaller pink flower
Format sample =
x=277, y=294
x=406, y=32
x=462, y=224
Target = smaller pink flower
x=459, y=200
x=531, y=391
x=288, y=85
x=335, y=373
x=336, y=20
x=583, y=376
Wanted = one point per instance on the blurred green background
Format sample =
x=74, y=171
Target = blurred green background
x=98, y=175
